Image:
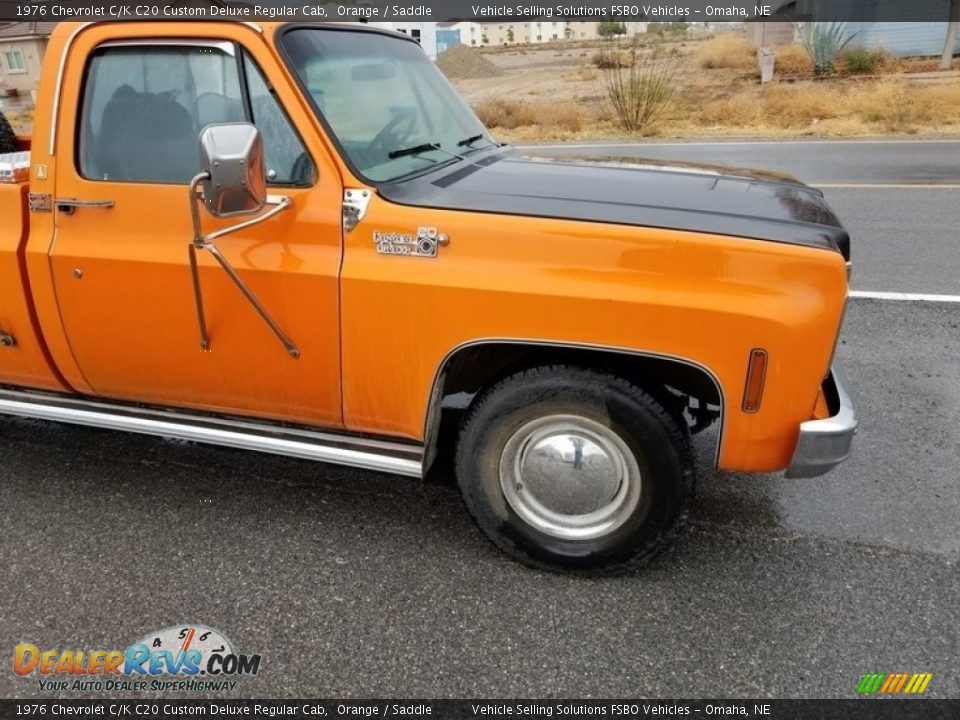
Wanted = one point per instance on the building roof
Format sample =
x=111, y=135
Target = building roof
x=26, y=30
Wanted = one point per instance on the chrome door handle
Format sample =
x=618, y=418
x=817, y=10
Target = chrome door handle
x=68, y=205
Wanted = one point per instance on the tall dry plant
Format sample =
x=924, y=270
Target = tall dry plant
x=640, y=84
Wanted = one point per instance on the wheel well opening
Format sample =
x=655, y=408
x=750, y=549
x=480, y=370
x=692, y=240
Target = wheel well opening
x=688, y=391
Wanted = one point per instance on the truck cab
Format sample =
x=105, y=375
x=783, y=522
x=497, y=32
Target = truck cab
x=297, y=238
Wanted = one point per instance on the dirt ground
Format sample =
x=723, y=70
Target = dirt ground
x=532, y=73
x=556, y=91
x=530, y=93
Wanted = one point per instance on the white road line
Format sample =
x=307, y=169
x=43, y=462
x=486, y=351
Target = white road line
x=885, y=186
x=738, y=143
x=903, y=297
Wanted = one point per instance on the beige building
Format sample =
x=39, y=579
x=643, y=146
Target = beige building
x=582, y=31
x=493, y=34
x=637, y=28
x=22, y=46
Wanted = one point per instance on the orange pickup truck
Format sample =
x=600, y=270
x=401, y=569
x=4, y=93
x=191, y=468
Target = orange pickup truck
x=297, y=239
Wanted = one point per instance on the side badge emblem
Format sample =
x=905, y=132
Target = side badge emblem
x=39, y=203
x=425, y=244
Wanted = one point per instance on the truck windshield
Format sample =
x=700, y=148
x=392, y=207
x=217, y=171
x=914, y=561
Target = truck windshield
x=388, y=107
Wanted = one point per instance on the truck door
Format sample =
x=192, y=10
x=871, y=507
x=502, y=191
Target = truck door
x=128, y=133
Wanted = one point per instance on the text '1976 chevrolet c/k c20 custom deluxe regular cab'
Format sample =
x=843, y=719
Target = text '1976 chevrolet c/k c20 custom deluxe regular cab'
x=296, y=238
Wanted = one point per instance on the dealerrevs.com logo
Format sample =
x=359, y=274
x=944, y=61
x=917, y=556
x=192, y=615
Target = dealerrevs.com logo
x=894, y=683
x=180, y=658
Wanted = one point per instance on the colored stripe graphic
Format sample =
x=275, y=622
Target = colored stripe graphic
x=889, y=683
x=894, y=683
x=920, y=682
x=870, y=683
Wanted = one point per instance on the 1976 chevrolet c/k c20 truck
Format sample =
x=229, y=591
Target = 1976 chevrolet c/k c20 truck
x=296, y=238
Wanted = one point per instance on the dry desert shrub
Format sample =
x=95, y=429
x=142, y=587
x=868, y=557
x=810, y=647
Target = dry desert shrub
x=741, y=110
x=898, y=107
x=891, y=105
x=799, y=104
x=940, y=102
x=503, y=113
x=584, y=74
x=611, y=58
x=564, y=115
x=792, y=61
x=917, y=65
x=726, y=51
x=510, y=114
x=885, y=103
x=639, y=93
x=775, y=106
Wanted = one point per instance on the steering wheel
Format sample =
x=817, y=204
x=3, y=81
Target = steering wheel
x=392, y=135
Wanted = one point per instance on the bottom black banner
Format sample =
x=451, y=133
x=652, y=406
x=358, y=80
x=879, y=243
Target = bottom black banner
x=858, y=709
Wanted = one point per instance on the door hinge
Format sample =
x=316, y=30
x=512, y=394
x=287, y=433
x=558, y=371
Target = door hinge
x=355, y=203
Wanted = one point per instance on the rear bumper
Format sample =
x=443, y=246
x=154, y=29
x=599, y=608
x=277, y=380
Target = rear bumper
x=826, y=443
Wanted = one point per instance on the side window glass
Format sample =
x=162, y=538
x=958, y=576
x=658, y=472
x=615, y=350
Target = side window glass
x=144, y=107
x=287, y=161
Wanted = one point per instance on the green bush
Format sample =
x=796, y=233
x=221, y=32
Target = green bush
x=611, y=29
x=8, y=139
x=861, y=60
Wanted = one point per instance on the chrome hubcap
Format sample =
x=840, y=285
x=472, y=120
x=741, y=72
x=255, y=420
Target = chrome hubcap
x=570, y=477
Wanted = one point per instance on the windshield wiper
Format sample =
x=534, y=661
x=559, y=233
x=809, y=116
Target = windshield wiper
x=471, y=140
x=410, y=150
x=417, y=149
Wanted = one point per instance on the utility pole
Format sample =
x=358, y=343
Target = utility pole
x=946, y=60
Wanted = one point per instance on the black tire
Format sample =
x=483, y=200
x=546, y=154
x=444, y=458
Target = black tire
x=508, y=416
x=8, y=139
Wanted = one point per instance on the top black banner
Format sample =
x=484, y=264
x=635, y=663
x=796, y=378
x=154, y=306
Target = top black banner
x=480, y=10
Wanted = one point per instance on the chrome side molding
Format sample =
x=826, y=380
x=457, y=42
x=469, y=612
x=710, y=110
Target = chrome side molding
x=381, y=455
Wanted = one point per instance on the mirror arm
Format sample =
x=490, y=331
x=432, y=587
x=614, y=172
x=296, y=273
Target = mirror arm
x=257, y=305
x=198, y=298
x=279, y=202
x=197, y=242
x=205, y=242
x=195, y=197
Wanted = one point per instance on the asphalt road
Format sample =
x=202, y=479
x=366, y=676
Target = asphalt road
x=896, y=197
x=358, y=584
x=817, y=162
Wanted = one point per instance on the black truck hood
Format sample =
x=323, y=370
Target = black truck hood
x=697, y=198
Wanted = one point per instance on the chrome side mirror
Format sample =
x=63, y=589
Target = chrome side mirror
x=231, y=156
x=231, y=182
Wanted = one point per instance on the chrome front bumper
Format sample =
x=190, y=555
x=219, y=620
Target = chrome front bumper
x=826, y=443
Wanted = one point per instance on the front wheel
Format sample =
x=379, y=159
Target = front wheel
x=571, y=469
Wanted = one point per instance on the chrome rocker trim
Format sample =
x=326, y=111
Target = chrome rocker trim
x=380, y=455
x=824, y=444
